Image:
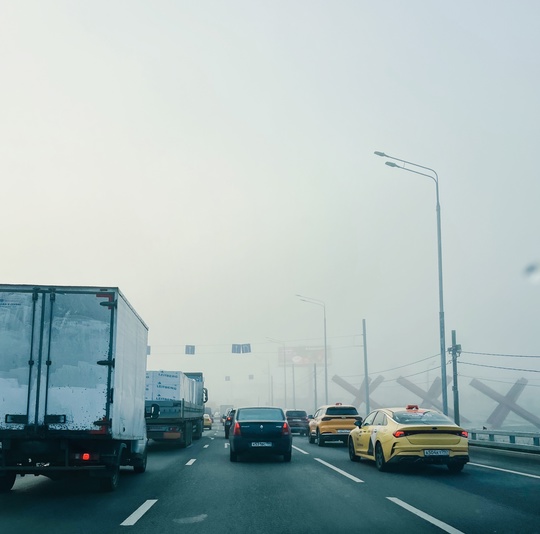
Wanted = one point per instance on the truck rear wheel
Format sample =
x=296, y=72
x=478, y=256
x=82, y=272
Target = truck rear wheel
x=7, y=479
x=198, y=429
x=139, y=466
x=110, y=482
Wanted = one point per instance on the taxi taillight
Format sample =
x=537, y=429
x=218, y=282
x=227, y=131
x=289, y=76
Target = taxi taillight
x=464, y=434
x=399, y=433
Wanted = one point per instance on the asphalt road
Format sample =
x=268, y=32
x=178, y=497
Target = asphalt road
x=198, y=490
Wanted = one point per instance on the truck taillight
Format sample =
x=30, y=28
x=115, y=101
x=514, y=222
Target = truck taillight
x=236, y=431
x=86, y=456
x=285, y=431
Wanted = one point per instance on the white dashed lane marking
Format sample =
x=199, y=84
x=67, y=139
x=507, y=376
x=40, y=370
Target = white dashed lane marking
x=137, y=514
x=340, y=471
x=423, y=515
x=505, y=470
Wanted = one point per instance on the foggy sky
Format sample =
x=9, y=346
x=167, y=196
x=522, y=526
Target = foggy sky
x=214, y=159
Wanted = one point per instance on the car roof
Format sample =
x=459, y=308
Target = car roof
x=272, y=407
x=337, y=404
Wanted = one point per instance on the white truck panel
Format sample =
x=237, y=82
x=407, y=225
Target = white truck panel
x=65, y=331
x=130, y=355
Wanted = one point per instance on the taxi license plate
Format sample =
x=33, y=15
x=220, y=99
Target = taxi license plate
x=261, y=444
x=343, y=431
x=436, y=452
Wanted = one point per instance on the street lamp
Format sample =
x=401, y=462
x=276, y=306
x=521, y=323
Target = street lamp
x=282, y=343
x=435, y=178
x=323, y=305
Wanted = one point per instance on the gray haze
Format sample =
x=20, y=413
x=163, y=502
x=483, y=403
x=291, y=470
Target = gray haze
x=214, y=159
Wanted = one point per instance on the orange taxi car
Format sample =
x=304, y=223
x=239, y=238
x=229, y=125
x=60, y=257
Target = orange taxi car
x=409, y=435
x=332, y=422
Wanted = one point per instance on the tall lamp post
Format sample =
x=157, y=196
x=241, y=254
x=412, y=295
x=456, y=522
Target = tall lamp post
x=282, y=343
x=323, y=305
x=435, y=178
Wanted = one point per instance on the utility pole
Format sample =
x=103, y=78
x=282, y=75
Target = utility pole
x=366, y=376
x=315, y=386
x=293, y=387
x=455, y=351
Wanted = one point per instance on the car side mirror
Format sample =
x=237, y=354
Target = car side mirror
x=310, y=417
x=358, y=422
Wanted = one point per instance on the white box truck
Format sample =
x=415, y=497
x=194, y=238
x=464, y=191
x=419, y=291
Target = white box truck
x=175, y=406
x=72, y=383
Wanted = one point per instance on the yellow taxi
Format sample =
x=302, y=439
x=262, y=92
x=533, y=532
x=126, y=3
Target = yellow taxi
x=207, y=421
x=332, y=422
x=409, y=435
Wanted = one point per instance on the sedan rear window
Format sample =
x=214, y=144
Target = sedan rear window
x=341, y=410
x=259, y=414
x=296, y=413
x=422, y=418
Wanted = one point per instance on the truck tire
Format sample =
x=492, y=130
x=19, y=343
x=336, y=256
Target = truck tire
x=110, y=482
x=198, y=429
x=7, y=479
x=139, y=465
x=188, y=429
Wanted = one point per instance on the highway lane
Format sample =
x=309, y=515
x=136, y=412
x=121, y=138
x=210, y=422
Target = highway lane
x=197, y=490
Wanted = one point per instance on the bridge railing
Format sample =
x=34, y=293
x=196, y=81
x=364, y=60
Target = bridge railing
x=503, y=439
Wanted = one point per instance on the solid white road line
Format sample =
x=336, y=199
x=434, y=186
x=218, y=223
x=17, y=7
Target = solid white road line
x=423, y=515
x=191, y=462
x=299, y=450
x=206, y=446
x=137, y=514
x=505, y=470
x=340, y=471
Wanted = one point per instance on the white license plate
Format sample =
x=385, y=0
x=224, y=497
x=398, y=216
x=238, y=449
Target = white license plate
x=261, y=444
x=436, y=452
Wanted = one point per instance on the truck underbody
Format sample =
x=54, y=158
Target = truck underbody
x=63, y=456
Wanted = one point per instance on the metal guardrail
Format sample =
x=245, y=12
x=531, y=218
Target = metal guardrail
x=507, y=440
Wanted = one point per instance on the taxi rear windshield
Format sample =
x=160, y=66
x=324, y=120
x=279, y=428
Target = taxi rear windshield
x=422, y=418
x=341, y=410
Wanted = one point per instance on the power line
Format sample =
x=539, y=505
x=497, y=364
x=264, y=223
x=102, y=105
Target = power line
x=497, y=367
x=502, y=355
x=498, y=381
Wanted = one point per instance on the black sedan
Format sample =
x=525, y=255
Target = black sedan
x=229, y=418
x=260, y=430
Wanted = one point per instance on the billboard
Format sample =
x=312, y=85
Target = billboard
x=302, y=356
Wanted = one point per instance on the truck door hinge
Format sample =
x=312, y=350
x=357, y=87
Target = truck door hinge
x=110, y=363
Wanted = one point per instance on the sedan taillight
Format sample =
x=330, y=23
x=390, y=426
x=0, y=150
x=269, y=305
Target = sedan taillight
x=464, y=434
x=399, y=433
x=285, y=431
x=236, y=431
